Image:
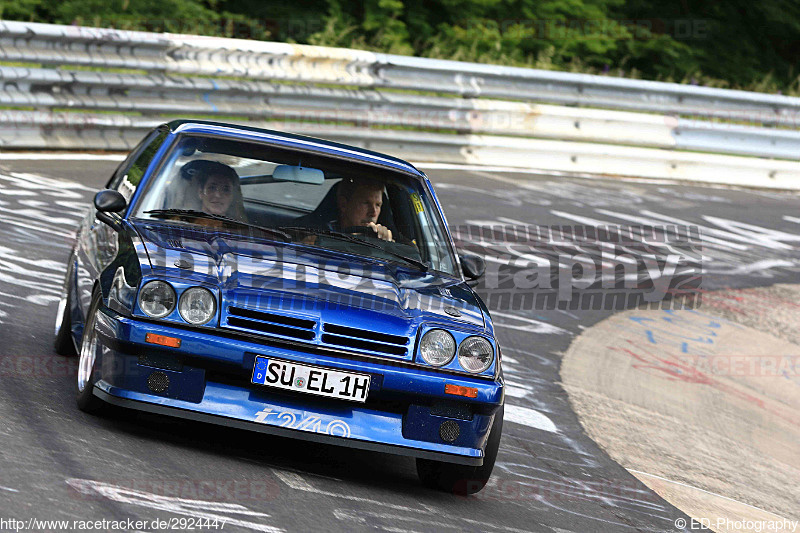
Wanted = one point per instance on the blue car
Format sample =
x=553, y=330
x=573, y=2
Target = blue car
x=288, y=285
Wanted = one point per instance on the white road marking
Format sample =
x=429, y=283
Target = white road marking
x=485, y=526
x=529, y=325
x=36, y=213
x=296, y=482
x=529, y=417
x=758, y=266
x=60, y=188
x=620, y=496
x=481, y=170
x=183, y=506
x=516, y=392
x=484, y=171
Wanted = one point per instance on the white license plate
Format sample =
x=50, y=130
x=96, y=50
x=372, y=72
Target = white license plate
x=311, y=379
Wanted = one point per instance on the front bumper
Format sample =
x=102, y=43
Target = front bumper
x=208, y=379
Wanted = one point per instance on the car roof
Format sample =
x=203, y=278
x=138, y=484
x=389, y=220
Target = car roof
x=293, y=140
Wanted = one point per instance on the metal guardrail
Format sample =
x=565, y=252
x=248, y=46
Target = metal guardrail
x=154, y=94
x=587, y=90
x=229, y=57
x=76, y=131
x=347, y=90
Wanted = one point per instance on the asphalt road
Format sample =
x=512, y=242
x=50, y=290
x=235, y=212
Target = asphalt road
x=57, y=463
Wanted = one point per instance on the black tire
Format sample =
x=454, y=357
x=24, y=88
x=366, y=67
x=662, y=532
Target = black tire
x=460, y=479
x=63, y=343
x=84, y=384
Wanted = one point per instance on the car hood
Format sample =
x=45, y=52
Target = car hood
x=305, y=283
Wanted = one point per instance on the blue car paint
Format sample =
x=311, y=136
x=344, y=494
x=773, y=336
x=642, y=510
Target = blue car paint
x=119, y=263
x=386, y=295
x=124, y=376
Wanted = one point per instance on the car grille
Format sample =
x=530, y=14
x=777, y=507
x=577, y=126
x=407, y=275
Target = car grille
x=361, y=339
x=270, y=323
x=273, y=324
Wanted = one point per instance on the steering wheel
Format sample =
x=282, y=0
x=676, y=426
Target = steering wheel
x=366, y=231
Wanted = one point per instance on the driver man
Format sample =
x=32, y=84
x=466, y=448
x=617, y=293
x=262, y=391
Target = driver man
x=359, y=202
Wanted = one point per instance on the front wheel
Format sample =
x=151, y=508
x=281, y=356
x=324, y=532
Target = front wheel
x=87, y=401
x=461, y=479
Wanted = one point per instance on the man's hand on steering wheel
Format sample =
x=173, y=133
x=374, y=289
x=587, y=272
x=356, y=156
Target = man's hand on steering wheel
x=383, y=232
x=371, y=229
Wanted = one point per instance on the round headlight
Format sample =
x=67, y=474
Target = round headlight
x=437, y=347
x=197, y=305
x=475, y=354
x=157, y=299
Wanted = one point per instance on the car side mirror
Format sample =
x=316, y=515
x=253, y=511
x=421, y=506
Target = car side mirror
x=109, y=203
x=473, y=266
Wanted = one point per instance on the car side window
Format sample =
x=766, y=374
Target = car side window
x=123, y=167
x=130, y=172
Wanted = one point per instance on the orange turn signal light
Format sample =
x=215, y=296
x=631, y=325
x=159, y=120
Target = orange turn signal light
x=458, y=390
x=172, y=342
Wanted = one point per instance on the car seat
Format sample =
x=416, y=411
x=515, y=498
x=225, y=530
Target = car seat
x=328, y=210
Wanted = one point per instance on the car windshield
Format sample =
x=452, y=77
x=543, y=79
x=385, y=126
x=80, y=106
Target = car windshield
x=300, y=198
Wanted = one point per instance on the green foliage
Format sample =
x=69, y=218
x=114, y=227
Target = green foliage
x=744, y=43
x=737, y=43
x=20, y=9
x=153, y=15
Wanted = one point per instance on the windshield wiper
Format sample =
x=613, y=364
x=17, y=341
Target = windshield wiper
x=350, y=238
x=161, y=213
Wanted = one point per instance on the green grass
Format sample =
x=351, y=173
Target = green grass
x=19, y=64
x=86, y=68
